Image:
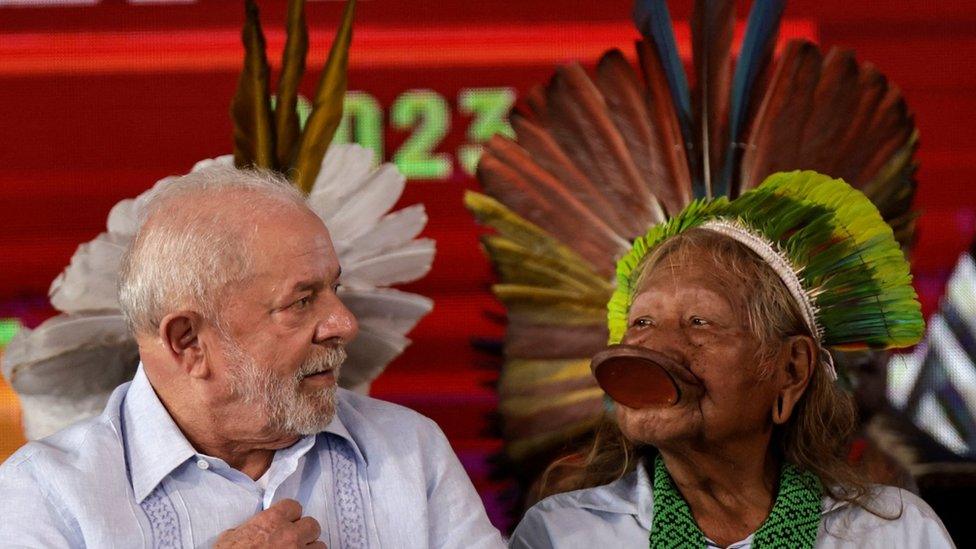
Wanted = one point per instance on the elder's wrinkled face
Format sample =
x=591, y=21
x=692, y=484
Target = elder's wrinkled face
x=689, y=310
x=287, y=327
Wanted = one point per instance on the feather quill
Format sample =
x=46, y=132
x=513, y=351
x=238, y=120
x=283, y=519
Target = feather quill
x=712, y=23
x=654, y=22
x=747, y=92
x=666, y=129
x=386, y=309
x=287, y=127
x=393, y=230
x=251, y=106
x=508, y=173
x=546, y=152
x=580, y=121
x=627, y=108
x=362, y=209
x=326, y=106
x=400, y=266
x=774, y=143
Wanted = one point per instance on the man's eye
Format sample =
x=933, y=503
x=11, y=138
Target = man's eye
x=335, y=287
x=699, y=321
x=302, y=303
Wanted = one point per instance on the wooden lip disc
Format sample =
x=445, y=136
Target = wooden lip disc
x=634, y=377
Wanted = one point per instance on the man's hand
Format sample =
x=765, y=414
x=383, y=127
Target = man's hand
x=279, y=526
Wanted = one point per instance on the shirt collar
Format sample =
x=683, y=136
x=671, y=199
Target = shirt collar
x=154, y=445
x=633, y=495
x=629, y=495
x=338, y=428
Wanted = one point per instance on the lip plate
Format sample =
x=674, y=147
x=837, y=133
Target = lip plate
x=637, y=377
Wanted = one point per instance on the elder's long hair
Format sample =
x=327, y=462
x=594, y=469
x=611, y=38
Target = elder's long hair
x=817, y=436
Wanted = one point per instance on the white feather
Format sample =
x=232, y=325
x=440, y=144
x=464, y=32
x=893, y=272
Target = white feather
x=361, y=211
x=393, y=230
x=90, y=281
x=66, y=368
x=386, y=309
x=343, y=168
x=399, y=266
x=223, y=160
x=45, y=415
x=71, y=356
x=123, y=219
x=126, y=216
x=369, y=354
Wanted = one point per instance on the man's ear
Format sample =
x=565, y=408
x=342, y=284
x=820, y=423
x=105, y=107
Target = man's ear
x=801, y=355
x=179, y=332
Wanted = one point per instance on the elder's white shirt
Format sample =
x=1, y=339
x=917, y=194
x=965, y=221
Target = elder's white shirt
x=619, y=515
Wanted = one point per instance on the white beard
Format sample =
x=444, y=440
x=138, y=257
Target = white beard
x=287, y=410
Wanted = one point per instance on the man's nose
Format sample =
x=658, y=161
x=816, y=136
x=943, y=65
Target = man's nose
x=337, y=321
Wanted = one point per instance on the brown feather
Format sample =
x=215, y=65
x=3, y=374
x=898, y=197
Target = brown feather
x=538, y=110
x=551, y=157
x=666, y=132
x=250, y=109
x=871, y=89
x=579, y=121
x=892, y=126
x=287, y=126
x=774, y=141
x=622, y=91
x=712, y=23
x=835, y=100
x=552, y=418
x=326, y=106
x=554, y=341
x=509, y=174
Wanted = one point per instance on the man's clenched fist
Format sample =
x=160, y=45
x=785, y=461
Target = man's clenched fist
x=281, y=525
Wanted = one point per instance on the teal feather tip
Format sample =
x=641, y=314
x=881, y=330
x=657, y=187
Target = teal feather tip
x=847, y=258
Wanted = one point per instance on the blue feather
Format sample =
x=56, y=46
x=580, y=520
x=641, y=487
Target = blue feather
x=654, y=22
x=761, y=31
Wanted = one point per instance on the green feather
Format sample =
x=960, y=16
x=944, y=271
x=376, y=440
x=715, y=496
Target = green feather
x=847, y=256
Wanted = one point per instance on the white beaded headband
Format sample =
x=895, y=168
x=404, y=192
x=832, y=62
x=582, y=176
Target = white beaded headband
x=789, y=274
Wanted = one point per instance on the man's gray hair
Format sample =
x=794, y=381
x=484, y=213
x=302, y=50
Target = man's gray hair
x=190, y=246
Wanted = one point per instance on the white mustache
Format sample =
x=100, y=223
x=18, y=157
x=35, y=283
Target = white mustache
x=330, y=359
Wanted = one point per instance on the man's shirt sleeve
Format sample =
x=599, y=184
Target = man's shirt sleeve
x=31, y=518
x=455, y=511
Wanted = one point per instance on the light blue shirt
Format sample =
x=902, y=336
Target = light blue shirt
x=379, y=476
x=620, y=514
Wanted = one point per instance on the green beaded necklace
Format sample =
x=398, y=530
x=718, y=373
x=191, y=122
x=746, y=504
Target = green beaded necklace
x=792, y=523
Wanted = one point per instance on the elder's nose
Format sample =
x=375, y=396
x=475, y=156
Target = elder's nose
x=669, y=340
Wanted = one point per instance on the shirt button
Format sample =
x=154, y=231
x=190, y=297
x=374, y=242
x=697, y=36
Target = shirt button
x=203, y=464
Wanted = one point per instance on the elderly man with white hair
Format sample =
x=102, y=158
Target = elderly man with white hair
x=233, y=432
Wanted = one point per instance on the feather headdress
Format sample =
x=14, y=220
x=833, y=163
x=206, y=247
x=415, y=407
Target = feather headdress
x=828, y=244
x=600, y=158
x=65, y=369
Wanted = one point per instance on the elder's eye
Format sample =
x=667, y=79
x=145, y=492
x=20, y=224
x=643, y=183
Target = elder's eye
x=699, y=321
x=302, y=303
x=641, y=322
x=335, y=287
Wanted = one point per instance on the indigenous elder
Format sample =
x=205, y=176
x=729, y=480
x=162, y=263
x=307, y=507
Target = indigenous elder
x=739, y=301
x=233, y=431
